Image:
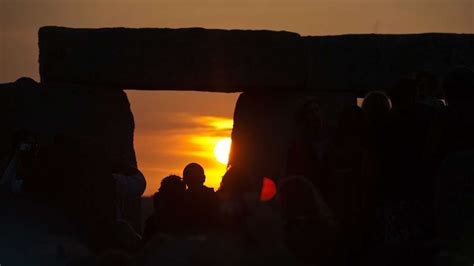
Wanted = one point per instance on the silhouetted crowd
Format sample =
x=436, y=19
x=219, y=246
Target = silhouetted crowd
x=391, y=184
x=397, y=173
x=183, y=205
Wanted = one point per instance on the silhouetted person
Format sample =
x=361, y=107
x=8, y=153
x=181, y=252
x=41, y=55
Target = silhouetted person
x=406, y=189
x=200, y=201
x=409, y=123
x=348, y=157
x=308, y=132
x=18, y=167
x=456, y=129
x=455, y=189
x=194, y=177
x=169, y=210
x=453, y=131
x=376, y=107
x=307, y=154
x=129, y=182
x=352, y=181
x=455, y=210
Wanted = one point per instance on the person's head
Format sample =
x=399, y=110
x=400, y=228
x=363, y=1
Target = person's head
x=171, y=183
x=171, y=186
x=171, y=192
x=376, y=104
x=193, y=175
x=458, y=86
x=403, y=93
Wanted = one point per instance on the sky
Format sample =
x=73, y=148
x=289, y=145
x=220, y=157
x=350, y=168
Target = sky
x=173, y=128
x=176, y=128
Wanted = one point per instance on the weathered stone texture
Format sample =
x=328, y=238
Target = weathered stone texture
x=103, y=116
x=100, y=122
x=172, y=59
x=365, y=62
x=265, y=126
x=242, y=60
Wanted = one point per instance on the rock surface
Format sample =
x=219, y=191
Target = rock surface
x=100, y=125
x=242, y=60
x=181, y=59
x=365, y=62
x=103, y=116
x=265, y=126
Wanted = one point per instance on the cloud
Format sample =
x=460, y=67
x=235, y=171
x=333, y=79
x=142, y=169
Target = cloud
x=167, y=140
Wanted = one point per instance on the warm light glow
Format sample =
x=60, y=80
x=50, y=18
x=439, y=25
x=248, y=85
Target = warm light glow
x=181, y=136
x=268, y=189
x=222, y=150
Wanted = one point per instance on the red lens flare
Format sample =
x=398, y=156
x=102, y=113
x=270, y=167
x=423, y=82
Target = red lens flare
x=268, y=189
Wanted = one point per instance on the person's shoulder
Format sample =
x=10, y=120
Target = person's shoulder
x=209, y=192
x=156, y=197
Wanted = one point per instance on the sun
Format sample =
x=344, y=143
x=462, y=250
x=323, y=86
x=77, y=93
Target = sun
x=222, y=150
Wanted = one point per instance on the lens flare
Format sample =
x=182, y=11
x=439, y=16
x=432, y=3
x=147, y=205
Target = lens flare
x=269, y=189
x=222, y=150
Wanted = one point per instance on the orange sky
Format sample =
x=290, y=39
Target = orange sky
x=20, y=19
x=176, y=128
x=168, y=123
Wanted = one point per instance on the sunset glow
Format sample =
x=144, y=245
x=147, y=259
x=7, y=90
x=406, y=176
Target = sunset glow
x=175, y=128
x=222, y=150
x=174, y=133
